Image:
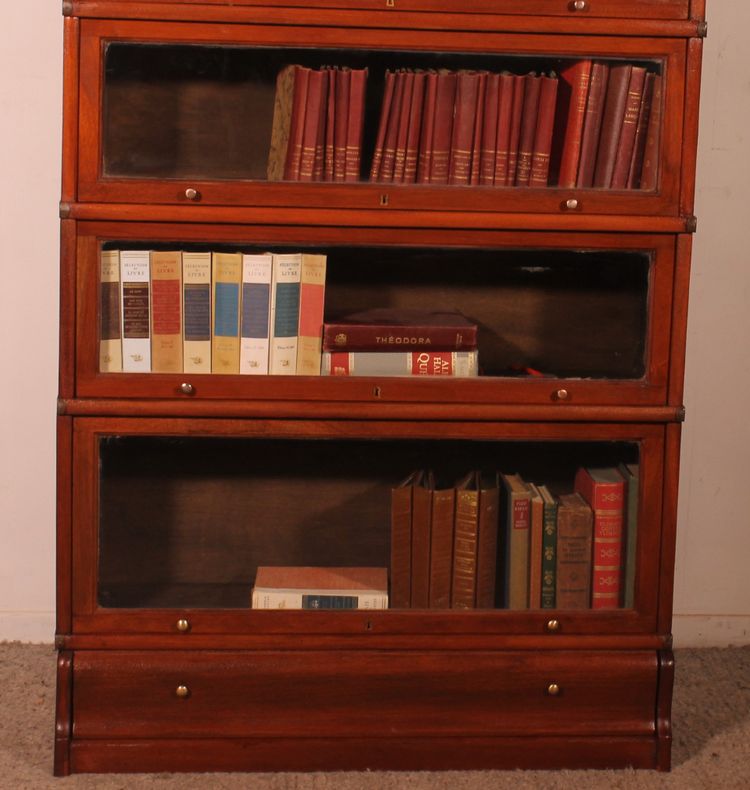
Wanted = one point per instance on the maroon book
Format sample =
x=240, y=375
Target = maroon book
x=391, y=132
x=328, y=156
x=399, y=159
x=529, y=115
x=443, y=130
x=639, y=145
x=341, y=115
x=476, y=146
x=650, y=170
x=519, y=90
x=504, y=114
x=355, y=124
x=307, y=165
x=614, y=114
x=297, y=124
x=392, y=329
x=572, y=92
x=629, y=127
x=320, y=134
x=543, y=138
x=385, y=110
x=415, y=128
x=424, y=156
x=462, y=140
x=488, y=147
x=592, y=124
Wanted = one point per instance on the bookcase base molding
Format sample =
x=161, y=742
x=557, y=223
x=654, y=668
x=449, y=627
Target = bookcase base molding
x=319, y=710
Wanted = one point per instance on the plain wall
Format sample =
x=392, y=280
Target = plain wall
x=712, y=597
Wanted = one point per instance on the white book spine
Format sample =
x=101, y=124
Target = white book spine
x=196, y=299
x=284, y=314
x=293, y=599
x=256, y=313
x=135, y=311
x=110, y=304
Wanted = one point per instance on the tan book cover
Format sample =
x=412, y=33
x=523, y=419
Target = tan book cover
x=465, y=543
x=517, y=521
x=575, y=522
x=166, y=308
x=281, y=125
x=110, y=337
x=225, y=307
x=196, y=311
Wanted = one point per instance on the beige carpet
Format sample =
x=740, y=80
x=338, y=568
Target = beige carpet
x=711, y=740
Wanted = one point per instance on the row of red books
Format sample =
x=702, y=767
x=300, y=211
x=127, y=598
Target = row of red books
x=318, y=124
x=465, y=128
x=504, y=542
x=611, y=114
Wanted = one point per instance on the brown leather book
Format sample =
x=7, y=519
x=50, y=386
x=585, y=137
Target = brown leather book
x=572, y=92
x=281, y=125
x=488, y=146
x=540, y=159
x=574, y=537
x=415, y=127
x=650, y=170
x=476, y=146
x=516, y=510
x=489, y=513
x=424, y=157
x=443, y=129
x=328, y=151
x=612, y=120
x=355, y=124
x=297, y=124
x=312, y=125
x=385, y=110
x=441, y=547
x=399, y=160
x=341, y=122
x=462, y=140
x=401, y=516
x=641, y=131
x=421, y=520
x=506, y=95
x=391, y=132
x=519, y=91
x=529, y=116
x=629, y=128
x=466, y=533
x=592, y=124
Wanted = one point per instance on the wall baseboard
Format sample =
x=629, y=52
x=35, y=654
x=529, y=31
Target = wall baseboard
x=711, y=630
x=27, y=627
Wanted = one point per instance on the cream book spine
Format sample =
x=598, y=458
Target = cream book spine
x=309, y=599
x=285, y=314
x=256, y=312
x=225, y=338
x=110, y=329
x=166, y=311
x=196, y=307
x=311, y=300
x=135, y=312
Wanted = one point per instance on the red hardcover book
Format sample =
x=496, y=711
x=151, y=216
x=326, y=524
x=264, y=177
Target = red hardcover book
x=476, y=146
x=529, y=116
x=629, y=127
x=572, y=92
x=388, y=329
x=592, y=124
x=355, y=124
x=639, y=145
x=488, y=148
x=574, y=532
x=650, y=170
x=462, y=140
x=399, y=160
x=441, y=547
x=385, y=111
x=604, y=490
x=313, y=104
x=320, y=135
x=443, y=129
x=297, y=124
x=612, y=120
x=391, y=132
x=516, y=116
x=506, y=96
x=341, y=123
x=328, y=153
x=424, y=157
x=540, y=159
x=415, y=127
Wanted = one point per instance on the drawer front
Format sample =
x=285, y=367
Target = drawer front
x=364, y=693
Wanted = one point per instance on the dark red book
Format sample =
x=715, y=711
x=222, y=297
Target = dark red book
x=297, y=124
x=476, y=146
x=507, y=88
x=341, y=121
x=424, y=157
x=391, y=329
x=529, y=116
x=540, y=158
x=355, y=124
x=391, y=132
x=641, y=131
x=328, y=156
x=312, y=128
x=399, y=160
x=443, y=128
x=614, y=113
x=462, y=140
x=488, y=147
x=415, y=128
x=385, y=110
x=401, y=518
x=421, y=527
x=650, y=170
x=629, y=126
x=572, y=92
x=519, y=91
x=320, y=135
x=592, y=124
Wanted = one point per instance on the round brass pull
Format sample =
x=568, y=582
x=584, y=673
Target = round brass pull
x=578, y=5
x=183, y=692
x=562, y=394
x=572, y=204
x=187, y=389
x=553, y=690
x=183, y=626
x=553, y=626
x=192, y=194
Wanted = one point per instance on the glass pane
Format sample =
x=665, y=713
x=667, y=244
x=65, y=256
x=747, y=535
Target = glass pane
x=187, y=522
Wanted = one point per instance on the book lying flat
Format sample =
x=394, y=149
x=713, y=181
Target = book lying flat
x=399, y=363
x=301, y=587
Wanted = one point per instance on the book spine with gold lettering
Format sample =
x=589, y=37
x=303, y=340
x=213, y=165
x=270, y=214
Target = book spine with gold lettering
x=135, y=312
x=540, y=158
x=629, y=128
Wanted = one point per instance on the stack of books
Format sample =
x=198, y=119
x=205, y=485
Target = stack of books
x=211, y=312
x=394, y=342
x=318, y=124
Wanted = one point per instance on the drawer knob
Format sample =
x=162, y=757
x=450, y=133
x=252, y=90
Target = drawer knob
x=192, y=194
x=572, y=204
x=187, y=389
x=553, y=690
x=183, y=626
x=182, y=692
x=562, y=394
x=578, y=5
x=553, y=626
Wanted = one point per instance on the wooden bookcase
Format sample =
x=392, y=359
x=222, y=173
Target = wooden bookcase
x=173, y=490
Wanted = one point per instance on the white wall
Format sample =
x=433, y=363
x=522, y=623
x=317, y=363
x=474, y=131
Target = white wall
x=712, y=597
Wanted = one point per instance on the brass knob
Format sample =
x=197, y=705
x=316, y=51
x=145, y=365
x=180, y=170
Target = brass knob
x=553, y=626
x=553, y=690
x=571, y=204
x=192, y=194
x=183, y=626
x=578, y=5
x=562, y=395
x=187, y=389
x=183, y=692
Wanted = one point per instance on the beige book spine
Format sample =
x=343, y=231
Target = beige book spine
x=196, y=311
x=110, y=331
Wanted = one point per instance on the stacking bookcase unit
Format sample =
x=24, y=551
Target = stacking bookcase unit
x=238, y=176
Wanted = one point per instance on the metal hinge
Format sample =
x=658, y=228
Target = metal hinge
x=702, y=29
x=681, y=414
x=67, y=8
x=64, y=210
x=691, y=223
